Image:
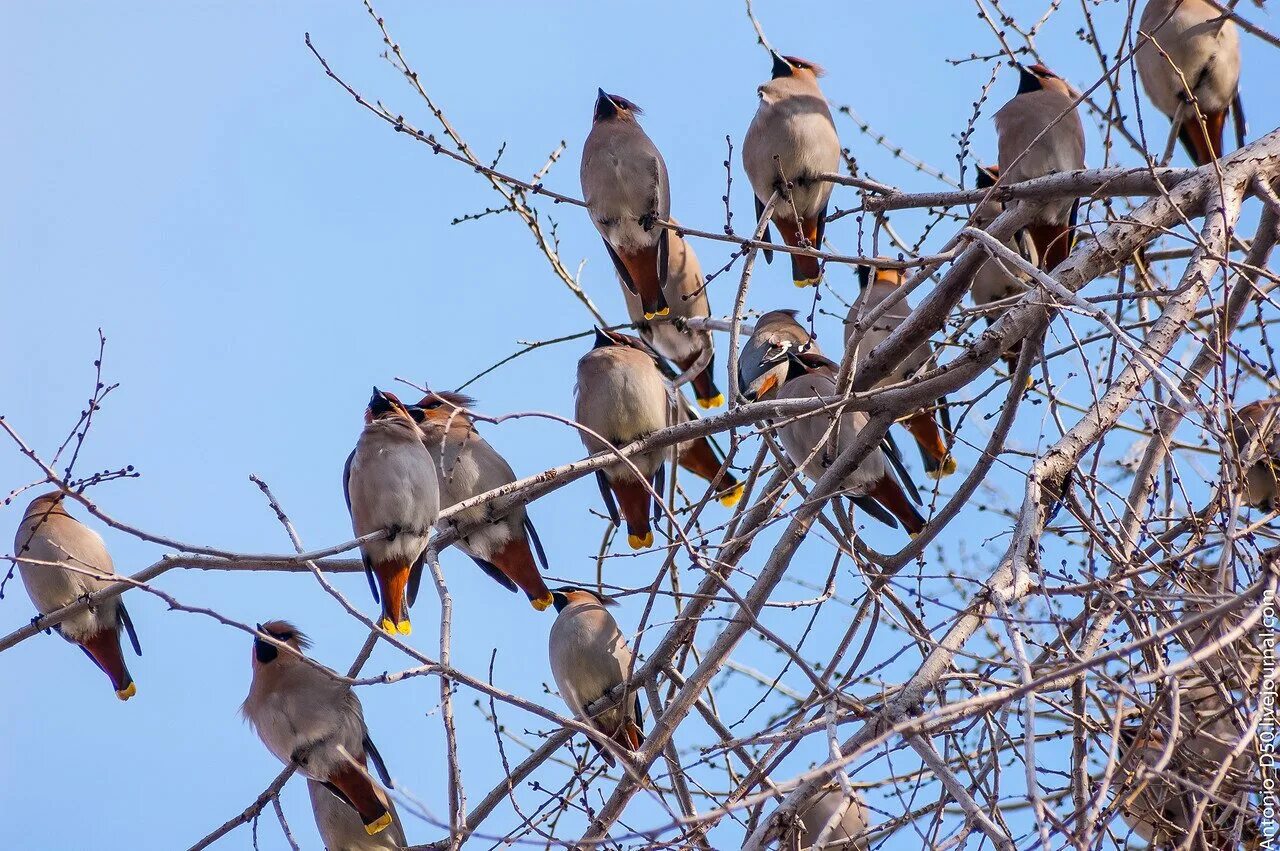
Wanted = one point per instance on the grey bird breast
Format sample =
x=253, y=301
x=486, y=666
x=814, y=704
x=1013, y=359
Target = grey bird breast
x=589, y=656
x=299, y=707
x=1040, y=133
x=392, y=483
x=1202, y=48
x=624, y=180
x=468, y=466
x=621, y=397
x=48, y=541
x=798, y=130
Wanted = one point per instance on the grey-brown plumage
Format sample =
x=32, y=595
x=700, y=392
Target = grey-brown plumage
x=931, y=425
x=1257, y=438
x=806, y=439
x=390, y=484
x=340, y=827
x=1040, y=133
x=1160, y=806
x=851, y=819
x=625, y=185
x=467, y=466
x=589, y=657
x=791, y=141
x=310, y=719
x=763, y=366
x=1193, y=55
x=621, y=397
x=686, y=295
x=60, y=561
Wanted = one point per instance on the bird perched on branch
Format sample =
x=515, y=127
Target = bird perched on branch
x=1190, y=68
x=877, y=285
x=621, y=396
x=625, y=185
x=1165, y=787
x=1040, y=133
x=390, y=484
x=1255, y=426
x=589, y=658
x=61, y=560
x=308, y=718
x=871, y=484
x=791, y=141
x=686, y=295
x=340, y=826
x=851, y=820
x=762, y=366
x=467, y=466
x=995, y=281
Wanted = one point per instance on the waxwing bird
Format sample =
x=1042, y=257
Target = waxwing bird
x=1161, y=805
x=791, y=141
x=625, y=185
x=686, y=295
x=308, y=718
x=1040, y=133
x=1255, y=425
x=61, y=560
x=1190, y=68
x=877, y=285
x=390, y=483
x=850, y=816
x=340, y=826
x=994, y=281
x=589, y=657
x=762, y=366
x=621, y=397
x=871, y=485
x=467, y=466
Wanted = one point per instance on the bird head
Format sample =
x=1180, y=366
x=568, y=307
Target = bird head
x=613, y=106
x=385, y=405
x=794, y=66
x=763, y=365
x=1033, y=78
x=265, y=652
x=566, y=595
x=869, y=274
x=441, y=408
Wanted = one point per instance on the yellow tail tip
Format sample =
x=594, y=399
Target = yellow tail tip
x=913, y=535
x=376, y=827
x=714, y=402
x=404, y=628
x=730, y=499
x=128, y=691
x=639, y=543
x=808, y=282
x=541, y=603
x=388, y=626
x=664, y=312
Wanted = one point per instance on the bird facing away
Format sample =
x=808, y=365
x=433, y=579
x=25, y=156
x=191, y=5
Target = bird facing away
x=621, y=396
x=1039, y=133
x=308, y=718
x=625, y=185
x=1190, y=68
x=877, y=285
x=1255, y=423
x=686, y=295
x=791, y=141
x=467, y=466
x=390, y=483
x=340, y=827
x=763, y=366
x=870, y=484
x=851, y=821
x=994, y=281
x=589, y=657
x=61, y=560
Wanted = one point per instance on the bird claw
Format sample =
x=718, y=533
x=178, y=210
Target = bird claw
x=648, y=220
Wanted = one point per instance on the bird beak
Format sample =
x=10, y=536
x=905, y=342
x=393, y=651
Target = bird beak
x=605, y=107
x=602, y=339
x=781, y=67
x=1027, y=81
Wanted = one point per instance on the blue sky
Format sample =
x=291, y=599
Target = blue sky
x=259, y=251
